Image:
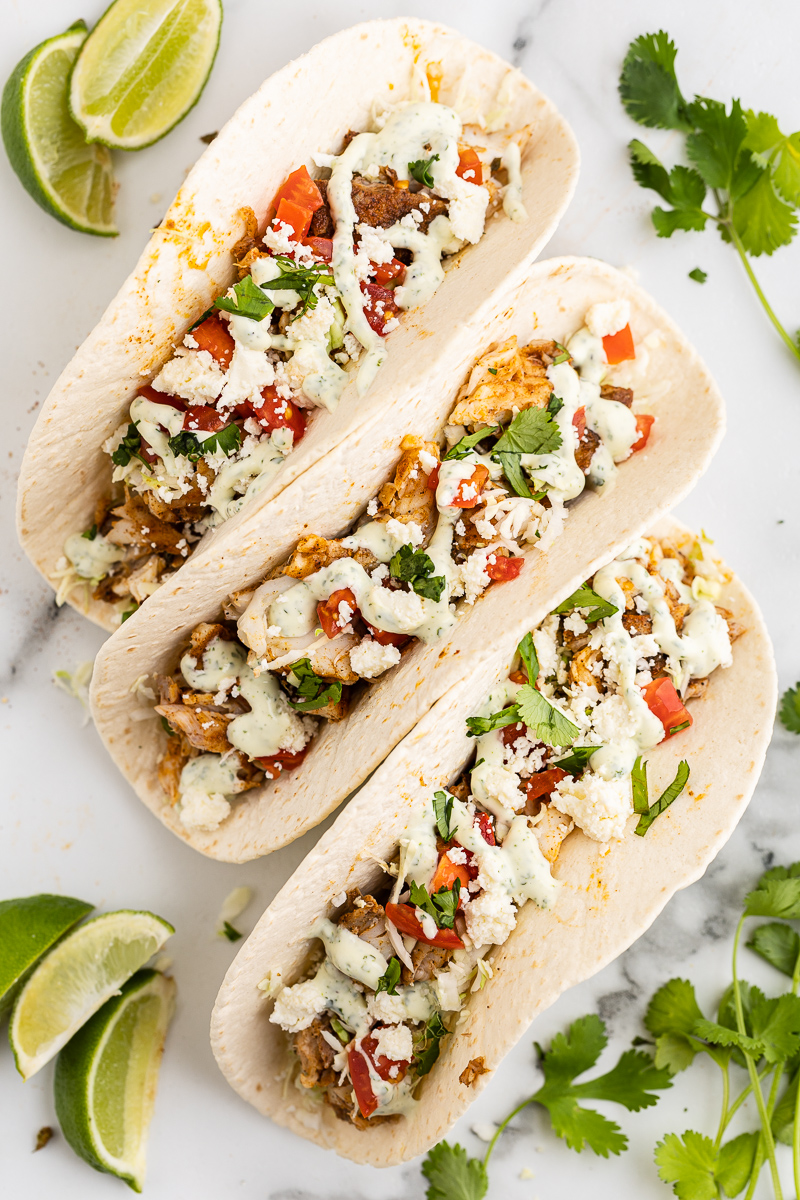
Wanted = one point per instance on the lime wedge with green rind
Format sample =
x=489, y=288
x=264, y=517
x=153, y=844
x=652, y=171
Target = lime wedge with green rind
x=107, y=1074
x=28, y=928
x=76, y=978
x=68, y=178
x=142, y=68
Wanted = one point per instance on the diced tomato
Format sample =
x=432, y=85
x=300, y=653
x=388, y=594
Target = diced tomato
x=322, y=247
x=384, y=638
x=403, y=917
x=149, y=393
x=469, y=489
x=277, y=413
x=579, y=421
x=384, y=1066
x=300, y=189
x=469, y=166
x=299, y=219
x=665, y=703
x=284, y=760
x=510, y=733
x=328, y=611
x=213, y=335
x=644, y=423
x=543, y=782
x=619, y=346
x=485, y=823
x=433, y=478
x=520, y=677
x=204, y=417
x=362, y=1084
x=504, y=567
x=379, y=306
x=392, y=271
x=447, y=873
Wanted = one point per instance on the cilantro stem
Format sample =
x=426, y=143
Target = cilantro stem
x=734, y=236
x=766, y=1131
x=726, y=1095
x=758, y=1161
x=796, y=1140
x=502, y=1126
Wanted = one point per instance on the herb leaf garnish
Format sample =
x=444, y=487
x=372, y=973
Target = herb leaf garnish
x=789, y=711
x=441, y=906
x=666, y=798
x=391, y=977
x=543, y=718
x=435, y=1030
x=420, y=170
x=91, y=533
x=416, y=567
x=577, y=760
x=527, y=652
x=443, y=811
x=248, y=301
x=188, y=444
x=469, y=442
x=129, y=447
x=301, y=279
x=532, y=431
x=641, y=801
x=584, y=597
x=315, y=691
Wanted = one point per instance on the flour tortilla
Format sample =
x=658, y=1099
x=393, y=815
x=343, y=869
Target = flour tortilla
x=551, y=302
x=611, y=893
x=303, y=109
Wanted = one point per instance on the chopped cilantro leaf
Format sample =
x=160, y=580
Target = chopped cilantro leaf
x=435, y=1030
x=443, y=811
x=554, y=404
x=577, y=759
x=302, y=280
x=314, y=691
x=128, y=613
x=416, y=567
x=532, y=431
x=188, y=444
x=168, y=730
x=584, y=597
x=469, y=442
x=441, y=906
x=641, y=801
x=91, y=533
x=527, y=652
x=698, y=275
x=248, y=300
x=391, y=977
x=476, y=726
x=420, y=170
x=666, y=798
x=543, y=718
x=229, y=932
x=129, y=447
x=562, y=356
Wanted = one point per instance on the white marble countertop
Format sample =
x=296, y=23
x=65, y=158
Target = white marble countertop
x=70, y=824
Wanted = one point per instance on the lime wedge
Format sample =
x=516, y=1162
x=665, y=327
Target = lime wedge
x=28, y=928
x=83, y=971
x=69, y=179
x=106, y=1077
x=142, y=68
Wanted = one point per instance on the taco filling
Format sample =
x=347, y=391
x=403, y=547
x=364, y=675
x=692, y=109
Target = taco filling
x=526, y=435
x=604, y=679
x=343, y=257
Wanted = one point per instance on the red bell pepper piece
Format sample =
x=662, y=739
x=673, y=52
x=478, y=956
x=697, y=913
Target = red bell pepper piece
x=644, y=423
x=392, y=271
x=504, y=568
x=213, y=335
x=447, y=873
x=404, y=918
x=469, y=166
x=665, y=703
x=297, y=218
x=543, y=782
x=277, y=413
x=328, y=611
x=469, y=489
x=619, y=346
x=150, y=393
x=285, y=760
x=362, y=1084
x=384, y=638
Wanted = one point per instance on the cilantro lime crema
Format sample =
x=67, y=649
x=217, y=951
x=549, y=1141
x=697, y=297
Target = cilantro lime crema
x=343, y=257
x=520, y=445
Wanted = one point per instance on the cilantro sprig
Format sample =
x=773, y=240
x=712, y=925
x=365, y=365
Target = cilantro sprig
x=739, y=156
x=469, y=442
x=420, y=170
x=530, y=707
x=532, y=431
x=303, y=280
x=443, y=812
x=188, y=444
x=130, y=447
x=789, y=711
x=416, y=567
x=314, y=691
x=584, y=597
x=632, y=1083
x=442, y=905
x=248, y=300
x=391, y=977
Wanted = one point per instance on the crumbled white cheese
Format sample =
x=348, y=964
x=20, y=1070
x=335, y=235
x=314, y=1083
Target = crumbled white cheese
x=574, y=623
x=600, y=807
x=404, y=532
x=203, y=810
x=544, y=639
x=369, y=658
x=603, y=320
x=372, y=508
x=296, y=1007
x=394, y=1042
x=191, y=374
x=249, y=372
x=427, y=461
x=474, y=576
x=613, y=721
x=384, y=1007
x=490, y=918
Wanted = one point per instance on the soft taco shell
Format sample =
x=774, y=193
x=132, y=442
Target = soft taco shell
x=303, y=109
x=611, y=894
x=551, y=302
